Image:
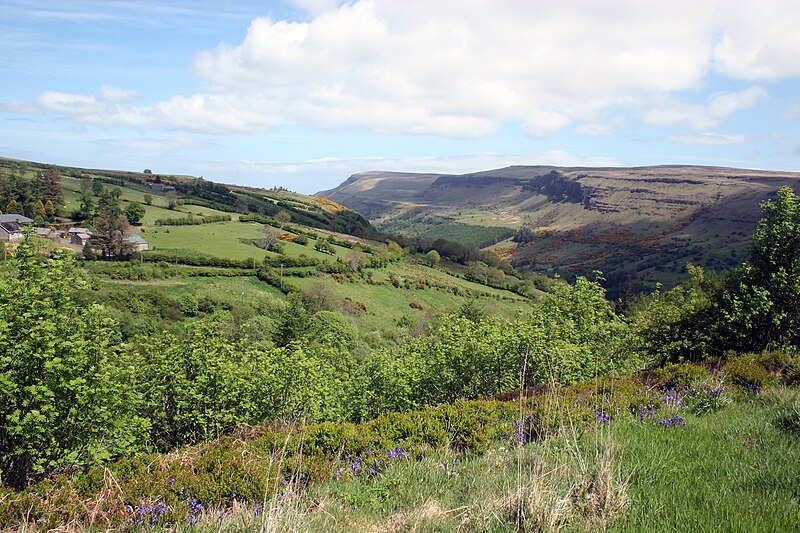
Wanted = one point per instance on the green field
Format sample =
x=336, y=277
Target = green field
x=219, y=239
x=225, y=240
x=386, y=304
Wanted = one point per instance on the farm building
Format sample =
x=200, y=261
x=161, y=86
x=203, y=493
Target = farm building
x=137, y=242
x=79, y=236
x=161, y=187
x=11, y=226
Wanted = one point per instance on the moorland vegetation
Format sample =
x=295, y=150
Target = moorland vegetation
x=127, y=402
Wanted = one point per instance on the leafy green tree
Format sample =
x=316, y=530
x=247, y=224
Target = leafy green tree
x=16, y=189
x=432, y=258
x=682, y=324
x=63, y=389
x=293, y=321
x=148, y=199
x=87, y=206
x=771, y=279
x=97, y=187
x=39, y=212
x=134, y=212
x=193, y=386
x=324, y=247
x=332, y=329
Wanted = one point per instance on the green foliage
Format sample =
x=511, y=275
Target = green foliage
x=432, y=258
x=747, y=372
x=63, y=388
x=324, y=247
x=680, y=375
x=192, y=221
x=134, y=212
x=775, y=273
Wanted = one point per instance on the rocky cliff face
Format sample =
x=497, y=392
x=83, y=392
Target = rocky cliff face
x=644, y=222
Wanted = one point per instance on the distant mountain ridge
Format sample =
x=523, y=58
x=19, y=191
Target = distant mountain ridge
x=642, y=223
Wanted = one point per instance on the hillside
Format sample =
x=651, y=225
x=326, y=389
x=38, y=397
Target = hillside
x=643, y=223
x=208, y=252
x=188, y=195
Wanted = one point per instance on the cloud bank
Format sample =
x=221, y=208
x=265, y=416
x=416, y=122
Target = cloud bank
x=466, y=69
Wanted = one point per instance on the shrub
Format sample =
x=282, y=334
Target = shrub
x=748, y=374
x=677, y=375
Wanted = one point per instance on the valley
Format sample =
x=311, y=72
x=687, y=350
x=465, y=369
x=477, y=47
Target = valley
x=637, y=225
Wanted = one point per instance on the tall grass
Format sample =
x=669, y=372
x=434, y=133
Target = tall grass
x=731, y=470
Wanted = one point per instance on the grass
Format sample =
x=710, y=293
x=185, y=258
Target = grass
x=386, y=304
x=225, y=239
x=729, y=470
x=219, y=239
x=528, y=488
x=153, y=212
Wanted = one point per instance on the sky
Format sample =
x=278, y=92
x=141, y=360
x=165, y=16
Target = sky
x=304, y=93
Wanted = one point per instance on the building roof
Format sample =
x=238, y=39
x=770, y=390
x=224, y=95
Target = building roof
x=11, y=227
x=13, y=217
x=135, y=238
x=79, y=230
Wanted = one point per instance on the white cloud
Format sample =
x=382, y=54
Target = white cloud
x=759, y=40
x=109, y=93
x=465, y=70
x=315, y=7
x=720, y=107
x=710, y=138
x=595, y=129
x=725, y=104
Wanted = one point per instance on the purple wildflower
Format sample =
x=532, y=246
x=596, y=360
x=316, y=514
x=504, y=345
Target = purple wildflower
x=396, y=453
x=676, y=420
x=602, y=417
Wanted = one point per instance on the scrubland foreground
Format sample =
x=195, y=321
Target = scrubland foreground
x=676, y=411
x=681, y=448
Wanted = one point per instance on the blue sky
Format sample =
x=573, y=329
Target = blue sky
x=304, y=93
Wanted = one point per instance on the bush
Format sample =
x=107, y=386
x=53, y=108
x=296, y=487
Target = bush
x=677, y=375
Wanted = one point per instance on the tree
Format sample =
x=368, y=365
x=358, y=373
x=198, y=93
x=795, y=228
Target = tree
x=283, y=216
x=432, y=258
x=51, y=187
x=39, y=212
x=774, y=272
x=148, y=199
x=86, y=209
x=324, y=247
x=97, y=187
x=64, y=399
x=50, y=211
x=12, y=207
x=134, y=212
x=269, y=237
x=111, y=226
